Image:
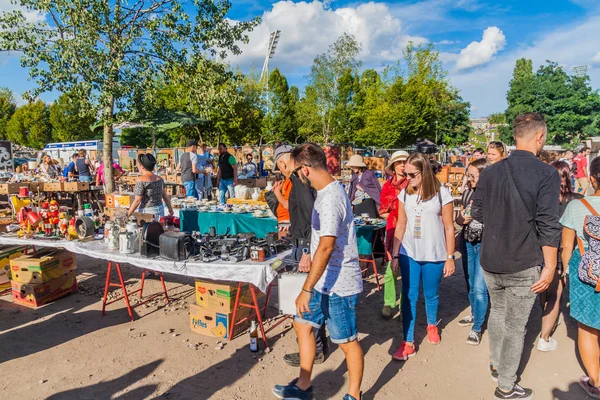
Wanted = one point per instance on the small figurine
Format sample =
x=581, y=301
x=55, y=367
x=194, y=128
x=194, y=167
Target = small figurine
x=46, y=227
x=53, y=217
x=71, y=231
x=63, y=225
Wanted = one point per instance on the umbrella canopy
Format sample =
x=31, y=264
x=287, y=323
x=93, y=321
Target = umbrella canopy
x=163, y=121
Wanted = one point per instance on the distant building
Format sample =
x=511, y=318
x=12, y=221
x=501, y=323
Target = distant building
x=479, y=123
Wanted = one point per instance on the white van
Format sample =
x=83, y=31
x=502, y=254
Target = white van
x=64, y=151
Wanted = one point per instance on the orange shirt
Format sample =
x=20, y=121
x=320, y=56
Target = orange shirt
x=282, y=213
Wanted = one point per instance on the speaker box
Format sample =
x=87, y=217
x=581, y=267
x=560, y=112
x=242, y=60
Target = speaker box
x=175, y=246
x=150, y=246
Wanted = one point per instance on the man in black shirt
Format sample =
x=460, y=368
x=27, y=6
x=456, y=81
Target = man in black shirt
x=517, y=201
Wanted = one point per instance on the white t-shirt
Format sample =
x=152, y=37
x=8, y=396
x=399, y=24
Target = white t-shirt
x=425, y=239
x=332, y=216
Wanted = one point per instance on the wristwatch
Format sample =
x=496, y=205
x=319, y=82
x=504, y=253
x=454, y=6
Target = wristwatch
x=305, y=250
x=395, y=257
x=451, y=257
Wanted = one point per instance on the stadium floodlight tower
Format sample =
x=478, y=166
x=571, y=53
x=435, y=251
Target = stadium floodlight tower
x=273, y=40
x=580, y=71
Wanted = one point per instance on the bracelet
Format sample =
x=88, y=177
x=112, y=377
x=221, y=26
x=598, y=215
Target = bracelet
x=307, y=291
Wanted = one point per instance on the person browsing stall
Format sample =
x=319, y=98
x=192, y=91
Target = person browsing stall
x=203, y=174
x=84, y=167
x=250, y=169
x=149, y=190
x=334, y=283
x=69, y=171
x=282, y=188
x=365, y=190
x=101, y=178
x=227, y=173
x=188, y=166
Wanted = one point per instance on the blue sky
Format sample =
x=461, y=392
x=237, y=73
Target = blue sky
x=478, y=40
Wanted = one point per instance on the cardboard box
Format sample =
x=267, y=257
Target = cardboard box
x=76, y=186
x=12, y=188
x=53, y=186
x=36, y=186
x=211, y=323
x=36, y=295
x=220, y=296
x=253, y=182
x=42, y=266
x=123, y=200
x=4, y=283
x=7, y=253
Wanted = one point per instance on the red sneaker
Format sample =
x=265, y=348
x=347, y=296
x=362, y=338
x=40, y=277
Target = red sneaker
x=405, y=351
x=433, y=336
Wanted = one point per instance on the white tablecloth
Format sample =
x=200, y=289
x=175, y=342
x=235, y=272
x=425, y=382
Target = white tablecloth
x=260, y=274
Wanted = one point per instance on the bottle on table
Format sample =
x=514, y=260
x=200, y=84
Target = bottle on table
x=253, y=337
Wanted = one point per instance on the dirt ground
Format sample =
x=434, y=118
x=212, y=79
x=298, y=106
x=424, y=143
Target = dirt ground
x=67, y=350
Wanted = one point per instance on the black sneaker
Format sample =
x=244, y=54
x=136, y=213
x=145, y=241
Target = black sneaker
x=292, y=391
x=293, y=359
x=387, y=312
x=474, y=338
x=466, y=321
x=493, y=373
x=517, y=392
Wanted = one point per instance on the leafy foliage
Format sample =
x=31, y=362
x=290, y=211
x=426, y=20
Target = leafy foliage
x=70, y=119
x=7, y=109
x=30, y=125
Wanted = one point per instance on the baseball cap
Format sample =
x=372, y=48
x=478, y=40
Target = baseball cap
x=190, y=142
x=281, y=150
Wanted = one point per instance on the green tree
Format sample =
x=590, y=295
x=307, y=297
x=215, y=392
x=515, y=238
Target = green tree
x=280, y=123
x=70, y=119
x=30, y=125
x=325, y=73
x=7, y=109
x=309, y=121
x=107, y=51
x=497, y=118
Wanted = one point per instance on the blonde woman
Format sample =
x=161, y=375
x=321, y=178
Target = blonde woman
x=496, y=151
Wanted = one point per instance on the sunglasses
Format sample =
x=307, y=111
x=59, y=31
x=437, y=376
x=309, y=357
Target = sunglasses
x=413, y=175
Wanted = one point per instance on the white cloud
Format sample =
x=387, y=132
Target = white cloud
x=596, y=59
x=478, y=53
x=571, y=45
x=307, y=29
x=30, y=16
x=445, y=42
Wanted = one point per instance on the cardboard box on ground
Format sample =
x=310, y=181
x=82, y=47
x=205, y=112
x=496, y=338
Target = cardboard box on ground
x=6, y=254
x=212, y=323
x=42, y=277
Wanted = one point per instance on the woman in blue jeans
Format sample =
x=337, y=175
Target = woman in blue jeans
x=472, y=232
x=425, y=230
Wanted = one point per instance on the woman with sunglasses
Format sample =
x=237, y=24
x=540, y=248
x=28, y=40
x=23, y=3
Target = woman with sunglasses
x=425, y=230
x=496, y=151
x=471, y=234
x=388, y=208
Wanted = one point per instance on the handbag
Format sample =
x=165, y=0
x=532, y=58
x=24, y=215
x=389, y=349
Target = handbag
x=589, y=266
x=272, y=201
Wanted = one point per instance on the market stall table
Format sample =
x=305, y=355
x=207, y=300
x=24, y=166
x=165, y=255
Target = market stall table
x=259, y=275
x=193, y=220
x=366, y=239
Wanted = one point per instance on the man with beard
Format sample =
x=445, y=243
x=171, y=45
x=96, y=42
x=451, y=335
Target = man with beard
x=334, y=283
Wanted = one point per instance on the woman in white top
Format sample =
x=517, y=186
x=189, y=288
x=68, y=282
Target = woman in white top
x=425, y=231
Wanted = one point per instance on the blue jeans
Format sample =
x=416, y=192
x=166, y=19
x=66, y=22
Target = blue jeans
x=190, y=189
x=85, y=178
x=199, y=184
x=412, y=272
x=478, y=293
x=226, y=185
x=338, y=312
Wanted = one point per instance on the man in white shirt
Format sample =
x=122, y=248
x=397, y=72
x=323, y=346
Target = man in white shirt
x=334, y=283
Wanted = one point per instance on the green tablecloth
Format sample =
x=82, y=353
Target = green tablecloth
x=191, y=220
x=364, y=237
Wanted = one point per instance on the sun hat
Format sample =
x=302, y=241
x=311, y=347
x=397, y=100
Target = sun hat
x=281, y=150
x=148, y=161
x=356, y=161
x=399, y=155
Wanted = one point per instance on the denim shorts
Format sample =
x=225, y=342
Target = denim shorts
x=338, y=312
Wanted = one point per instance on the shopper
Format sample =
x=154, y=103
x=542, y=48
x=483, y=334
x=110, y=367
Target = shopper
x=69, y=171
x=299, y=205
x=496, y=151
x=203, y=174
x=334, y=283
x=149, y=190
x=227, y=173
x=425, y=229
x=585, y=301
x=517, y=201
x=188, y=165
x=250, y=169
x=117, y=173
x=365, y=190
x=84, y=167
x=471, y=234
x=388, y=209
x=580, y=164
x=283, y=188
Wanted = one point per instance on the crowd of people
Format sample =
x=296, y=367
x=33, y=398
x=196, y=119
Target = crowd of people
x=523, y=227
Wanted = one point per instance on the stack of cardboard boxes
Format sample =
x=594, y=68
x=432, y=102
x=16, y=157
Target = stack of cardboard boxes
x=42, y=277
x=7, y=253
x=213, y=312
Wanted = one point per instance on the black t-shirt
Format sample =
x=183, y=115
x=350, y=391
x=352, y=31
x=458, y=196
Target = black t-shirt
x=300, y=203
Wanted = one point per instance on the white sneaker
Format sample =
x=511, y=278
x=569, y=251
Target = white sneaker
x=550, y=345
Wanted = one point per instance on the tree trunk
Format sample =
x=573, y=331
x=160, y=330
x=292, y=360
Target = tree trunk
x=109, y=186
